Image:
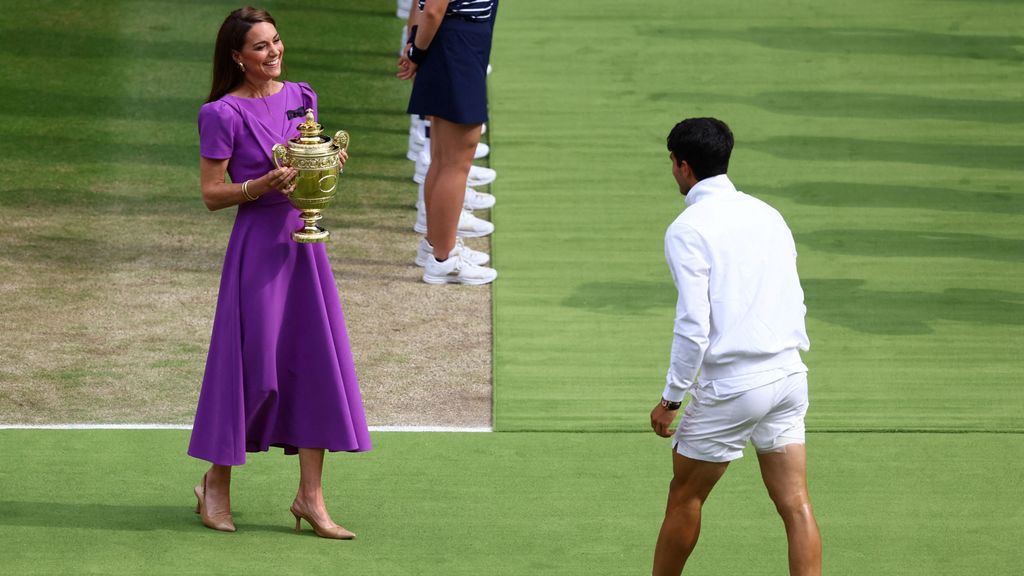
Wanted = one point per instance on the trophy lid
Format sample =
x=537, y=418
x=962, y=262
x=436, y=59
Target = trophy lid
x=310, y=130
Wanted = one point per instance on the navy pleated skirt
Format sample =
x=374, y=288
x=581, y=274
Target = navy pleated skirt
x=451, y=83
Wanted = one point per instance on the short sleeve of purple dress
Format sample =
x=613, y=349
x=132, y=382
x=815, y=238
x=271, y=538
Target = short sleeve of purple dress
x=279, y=370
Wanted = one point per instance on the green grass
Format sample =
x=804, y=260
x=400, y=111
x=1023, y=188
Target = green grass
x=110, y=262
x=889, y=134
x=119, y=502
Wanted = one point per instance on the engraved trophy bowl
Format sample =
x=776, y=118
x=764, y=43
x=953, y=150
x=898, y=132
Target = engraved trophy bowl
x=315, y=157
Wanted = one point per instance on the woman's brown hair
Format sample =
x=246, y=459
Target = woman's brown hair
x=226, y=73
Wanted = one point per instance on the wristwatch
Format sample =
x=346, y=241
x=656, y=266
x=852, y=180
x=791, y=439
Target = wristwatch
x=670, y=405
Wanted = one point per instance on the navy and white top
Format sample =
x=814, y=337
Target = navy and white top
x=473, y=10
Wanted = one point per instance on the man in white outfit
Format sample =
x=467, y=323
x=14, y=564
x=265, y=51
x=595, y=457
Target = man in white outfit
x=740, y=325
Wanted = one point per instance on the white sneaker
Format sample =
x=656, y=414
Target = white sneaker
x=469, y=225
x=472, y=227
x=402, y=9
x=419, y=176
x=480, y=176
x=489, y=69
x=457, y=269
x=472, y=200
x=419, y=152
x=478, y=200
x=417, y=137
x=424, y=252
x=416, y=143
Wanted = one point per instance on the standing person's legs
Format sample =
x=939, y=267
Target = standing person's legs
x=451, y=149
x=692, y=481
x=785, y=475
x=311, y=491
x=309, y=500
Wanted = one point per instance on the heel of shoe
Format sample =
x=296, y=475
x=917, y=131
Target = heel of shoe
x=335, y=532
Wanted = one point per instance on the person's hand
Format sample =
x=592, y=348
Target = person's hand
x=406, y=68
x=280, y=179
x=661, y=419
x=342, y=158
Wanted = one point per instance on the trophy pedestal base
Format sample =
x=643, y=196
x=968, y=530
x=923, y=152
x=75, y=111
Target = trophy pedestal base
x=310, y=233
x=306, y=236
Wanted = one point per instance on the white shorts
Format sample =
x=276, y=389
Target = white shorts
x=716, y=429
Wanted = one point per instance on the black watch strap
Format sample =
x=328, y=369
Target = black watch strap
x=670, y=405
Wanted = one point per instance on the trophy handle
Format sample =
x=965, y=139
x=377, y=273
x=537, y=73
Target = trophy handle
x=280, y=154
x=341, y=139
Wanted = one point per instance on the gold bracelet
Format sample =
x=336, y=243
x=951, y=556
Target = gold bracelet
x=245, y=191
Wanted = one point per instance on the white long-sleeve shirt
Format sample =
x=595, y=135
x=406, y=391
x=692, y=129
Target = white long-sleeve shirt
x=740, y=313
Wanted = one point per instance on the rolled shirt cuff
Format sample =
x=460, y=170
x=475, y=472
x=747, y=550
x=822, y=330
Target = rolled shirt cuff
x=675, y=390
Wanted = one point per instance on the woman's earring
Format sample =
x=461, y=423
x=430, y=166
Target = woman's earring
x=241, y=67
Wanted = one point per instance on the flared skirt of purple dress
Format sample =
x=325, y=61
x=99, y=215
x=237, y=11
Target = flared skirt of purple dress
x=279, y=370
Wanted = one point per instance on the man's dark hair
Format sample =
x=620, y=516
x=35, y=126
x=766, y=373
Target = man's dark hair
x=705, y=144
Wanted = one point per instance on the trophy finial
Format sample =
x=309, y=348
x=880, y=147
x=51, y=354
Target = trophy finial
x=310, y=128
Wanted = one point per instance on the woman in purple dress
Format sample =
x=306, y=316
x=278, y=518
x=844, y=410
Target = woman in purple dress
x=279, y=370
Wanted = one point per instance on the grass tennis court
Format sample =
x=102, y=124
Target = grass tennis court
x=888, y=133
x=116, y=502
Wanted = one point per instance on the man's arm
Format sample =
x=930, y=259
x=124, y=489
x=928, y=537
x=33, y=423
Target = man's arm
x=689, y=261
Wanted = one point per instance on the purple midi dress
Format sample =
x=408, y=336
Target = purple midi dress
x=279, y=370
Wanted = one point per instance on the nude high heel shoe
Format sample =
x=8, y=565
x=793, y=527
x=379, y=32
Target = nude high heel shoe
x=334, y=532
x=222, y=521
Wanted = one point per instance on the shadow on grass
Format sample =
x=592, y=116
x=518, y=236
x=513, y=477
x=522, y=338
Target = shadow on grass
x=113, y=517
x=103, y=151
x=825, y=104
x=857, y=150
x=847, y=303
x=623, y=298
x=382, y=10
x=898, y=243
x=122, y=106
x=30, y=43
x=888, y=106
x=890, y=42
x=33, y=43
x=148, y=201
x=121, y=518
x=860, y=195
x=25, y=40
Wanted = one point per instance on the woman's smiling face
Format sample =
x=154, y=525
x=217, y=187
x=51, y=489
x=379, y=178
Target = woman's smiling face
x=262, y=53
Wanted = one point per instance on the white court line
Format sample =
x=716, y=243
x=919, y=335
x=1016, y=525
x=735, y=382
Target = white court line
x=187, y=427
x=428, y=429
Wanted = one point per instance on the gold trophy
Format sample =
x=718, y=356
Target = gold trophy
x=316, y=159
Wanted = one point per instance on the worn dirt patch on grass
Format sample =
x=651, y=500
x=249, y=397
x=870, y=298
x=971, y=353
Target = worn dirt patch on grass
x=107, y=318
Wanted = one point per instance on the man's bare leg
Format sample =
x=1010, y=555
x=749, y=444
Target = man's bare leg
x=785, y=475
x=692, y=481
